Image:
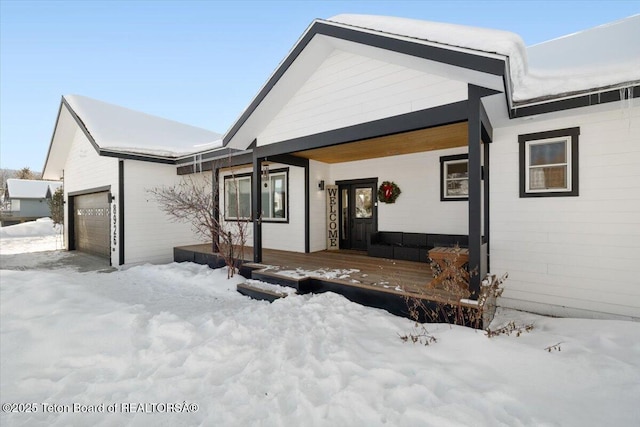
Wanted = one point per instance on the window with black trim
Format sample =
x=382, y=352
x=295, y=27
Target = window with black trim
x=237, y=196
x=549, y=163
x=274, y=196
x=454, y=177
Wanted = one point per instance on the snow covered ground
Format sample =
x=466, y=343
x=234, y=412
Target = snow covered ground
x=138, y=344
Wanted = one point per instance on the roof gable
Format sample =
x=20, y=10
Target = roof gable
x=470, y=52
x=324, y=37
x=116, y=128
x=348, y=88
x=116, y=131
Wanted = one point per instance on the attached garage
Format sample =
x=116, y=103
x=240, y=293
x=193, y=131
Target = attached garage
x=91, y=223
x=108, y=157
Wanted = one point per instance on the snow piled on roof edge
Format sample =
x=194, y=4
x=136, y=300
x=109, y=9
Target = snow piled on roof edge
x=528, y=85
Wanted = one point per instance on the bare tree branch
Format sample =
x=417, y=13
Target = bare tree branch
x=195, y=202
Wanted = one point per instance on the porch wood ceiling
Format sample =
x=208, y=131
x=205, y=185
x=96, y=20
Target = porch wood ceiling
x=435, y=138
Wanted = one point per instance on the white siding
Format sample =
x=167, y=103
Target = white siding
x=418, y=209
x=288, y=236
x=150, y=234
x=85, y=169
x=348, y=89
x=572, y=255
x=318, y=205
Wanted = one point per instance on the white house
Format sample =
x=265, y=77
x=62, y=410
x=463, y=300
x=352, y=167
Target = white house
x=533, y=153
x=27, y=200
x=108, y=157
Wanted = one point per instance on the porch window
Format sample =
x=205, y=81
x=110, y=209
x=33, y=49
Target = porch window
x=274, y=196
x=237, y=195
x=549, y=163
x=454, y=177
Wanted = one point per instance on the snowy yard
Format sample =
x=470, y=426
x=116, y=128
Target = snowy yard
x=132, y=344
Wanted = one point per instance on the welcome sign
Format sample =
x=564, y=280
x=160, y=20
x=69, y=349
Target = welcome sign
x=333, y=242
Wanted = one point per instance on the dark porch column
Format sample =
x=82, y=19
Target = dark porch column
x=215, y=191
x=256, y=204
x=480, y=131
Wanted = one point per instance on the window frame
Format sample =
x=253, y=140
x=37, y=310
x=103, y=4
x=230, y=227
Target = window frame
x=444, y=162
x=276, y=172
x=570, y=137
x=238, y=177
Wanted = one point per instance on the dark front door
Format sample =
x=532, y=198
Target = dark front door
x=358, y=213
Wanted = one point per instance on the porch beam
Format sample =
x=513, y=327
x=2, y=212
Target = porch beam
x=487, y=127
x=430, y=117
x=290, y=160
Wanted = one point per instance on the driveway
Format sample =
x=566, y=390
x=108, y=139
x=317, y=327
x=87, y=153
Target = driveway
x=55, y=260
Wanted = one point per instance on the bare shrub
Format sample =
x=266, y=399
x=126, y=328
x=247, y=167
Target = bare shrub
x=195, y=201
x=456, y=309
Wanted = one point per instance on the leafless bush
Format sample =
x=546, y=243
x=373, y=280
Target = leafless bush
x=508, y=329
x=194, y=201
x=555, y=347
x=455, y=309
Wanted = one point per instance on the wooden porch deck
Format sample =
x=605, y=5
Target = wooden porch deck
x=348, y=269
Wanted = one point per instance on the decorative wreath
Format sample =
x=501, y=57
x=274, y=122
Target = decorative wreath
x=388, y=192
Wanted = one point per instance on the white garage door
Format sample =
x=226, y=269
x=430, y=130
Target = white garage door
x=91, y=223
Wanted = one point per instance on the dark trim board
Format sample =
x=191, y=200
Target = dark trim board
x=121, y=241
x=71, y=223
x=209, y=155
x=588, y=100
x=82, y=125
x=256, y=205
x=89, y=191
x=418, y=49
x=139, y=157
x=231, y=161
x=431, y=117
x=486, y=238
x=307, y=210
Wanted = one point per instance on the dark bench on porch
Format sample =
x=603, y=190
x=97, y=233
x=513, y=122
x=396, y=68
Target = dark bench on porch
x=410, y=246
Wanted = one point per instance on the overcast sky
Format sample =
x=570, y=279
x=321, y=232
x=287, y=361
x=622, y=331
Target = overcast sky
x=200, y=62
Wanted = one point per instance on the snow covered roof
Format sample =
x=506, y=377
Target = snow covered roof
x=602, y=57
x=30, y=189
x=122, y=130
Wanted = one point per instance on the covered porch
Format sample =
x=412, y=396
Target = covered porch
x=409, y=149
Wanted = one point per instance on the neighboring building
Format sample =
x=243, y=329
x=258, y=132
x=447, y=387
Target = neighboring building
x=534, y=153
x=109, y=156
x=27, y=200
